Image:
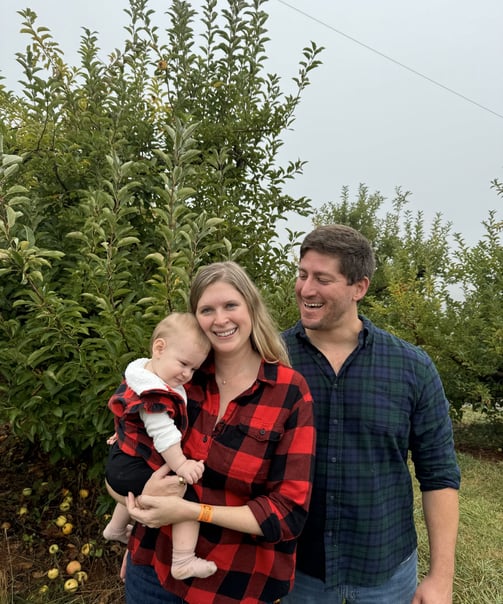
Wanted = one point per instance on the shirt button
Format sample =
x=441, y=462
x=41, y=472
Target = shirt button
x=262, y=431
x=205, y=439
x=333, y=459
x=335, y=422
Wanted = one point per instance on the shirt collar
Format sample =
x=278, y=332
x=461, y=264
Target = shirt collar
x=267, y=373
x=365, y=336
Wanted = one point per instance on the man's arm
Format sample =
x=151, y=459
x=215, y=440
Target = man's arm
x=441, y=514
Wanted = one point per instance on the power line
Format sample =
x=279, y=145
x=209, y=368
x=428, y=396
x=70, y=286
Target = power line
x=392, y=60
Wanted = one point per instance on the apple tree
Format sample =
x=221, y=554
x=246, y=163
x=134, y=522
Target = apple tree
x=118, y=179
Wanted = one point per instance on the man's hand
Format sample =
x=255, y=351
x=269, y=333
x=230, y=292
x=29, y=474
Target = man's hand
x=431, y=591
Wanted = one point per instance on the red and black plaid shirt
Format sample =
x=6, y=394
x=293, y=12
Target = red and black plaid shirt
x=132, y=436
x=262, y=454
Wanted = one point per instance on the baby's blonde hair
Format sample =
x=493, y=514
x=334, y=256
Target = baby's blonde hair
x=178, y=325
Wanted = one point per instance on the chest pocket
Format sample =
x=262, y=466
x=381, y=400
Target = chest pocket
x=245, y=451
x=260, y=434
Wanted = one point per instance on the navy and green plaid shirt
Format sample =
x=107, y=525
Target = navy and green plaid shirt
x=386, y=399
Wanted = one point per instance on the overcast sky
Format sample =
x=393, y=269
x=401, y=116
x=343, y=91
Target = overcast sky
x=365, y=118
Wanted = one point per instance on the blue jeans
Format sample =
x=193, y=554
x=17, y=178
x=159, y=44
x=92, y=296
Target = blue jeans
x=142, y=585
x=399, y=589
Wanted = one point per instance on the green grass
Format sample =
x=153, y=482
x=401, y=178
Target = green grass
x=479, y=553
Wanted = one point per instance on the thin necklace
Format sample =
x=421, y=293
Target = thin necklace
x=241, y=373
x=225, y=381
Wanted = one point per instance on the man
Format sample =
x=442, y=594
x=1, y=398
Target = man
x=376, y=397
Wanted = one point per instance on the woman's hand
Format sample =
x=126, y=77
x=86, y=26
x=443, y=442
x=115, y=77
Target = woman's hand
x=163, y=483
x=157, y=511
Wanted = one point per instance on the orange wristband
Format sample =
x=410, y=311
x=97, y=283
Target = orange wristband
x=205, y=513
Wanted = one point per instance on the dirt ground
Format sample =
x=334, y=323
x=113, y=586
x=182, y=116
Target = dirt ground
x=29, y=529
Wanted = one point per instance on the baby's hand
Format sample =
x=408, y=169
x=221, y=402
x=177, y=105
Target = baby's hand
x=112, y=439
x=191, y=470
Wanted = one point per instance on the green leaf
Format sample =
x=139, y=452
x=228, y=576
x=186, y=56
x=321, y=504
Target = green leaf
x=156, y=257
x=12, y=216
x=126, y=241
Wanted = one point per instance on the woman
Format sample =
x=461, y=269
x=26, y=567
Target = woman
x=251, y=422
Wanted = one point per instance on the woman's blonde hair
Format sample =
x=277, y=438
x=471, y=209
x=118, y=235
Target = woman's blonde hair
x=265, y=337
